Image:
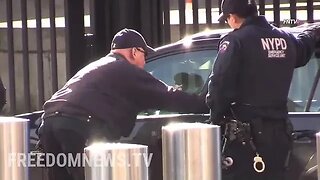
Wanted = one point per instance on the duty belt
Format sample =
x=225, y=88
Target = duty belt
x=72, y=116
x=97, y=128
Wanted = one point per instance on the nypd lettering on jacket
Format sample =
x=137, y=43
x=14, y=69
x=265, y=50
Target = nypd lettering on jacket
x=275, y=46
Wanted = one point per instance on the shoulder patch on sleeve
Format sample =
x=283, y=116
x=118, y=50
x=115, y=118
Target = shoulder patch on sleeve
x=223, y=46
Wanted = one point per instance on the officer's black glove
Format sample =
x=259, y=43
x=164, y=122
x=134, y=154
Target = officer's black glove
x=314, y=31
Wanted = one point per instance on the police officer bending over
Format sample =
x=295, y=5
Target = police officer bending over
x=103, y=99
x=250, y=81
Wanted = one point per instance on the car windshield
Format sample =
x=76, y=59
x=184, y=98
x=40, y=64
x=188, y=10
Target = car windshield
x=189, y=71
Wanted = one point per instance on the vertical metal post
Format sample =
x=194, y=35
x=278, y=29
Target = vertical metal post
x=39, y=53
x=195, y=14
x=220, y=6
x=75, y=43
x=262, y=7
x=182, y=18
x=293, y=11
x=98, y=26
x=147, y=20
x=208, y=12
x=25, y=51
x=156, y=37
x=221, y=24
x=310, y=11
x=191, y=151
x=53, y=39
x=166, y=21
x=11, y=68
x=276, y=12
x=116, y=161
x=109, y=22
x=14, y=140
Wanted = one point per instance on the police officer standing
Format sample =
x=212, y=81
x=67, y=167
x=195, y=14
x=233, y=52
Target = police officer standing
x=250, y=82
x=103, y=99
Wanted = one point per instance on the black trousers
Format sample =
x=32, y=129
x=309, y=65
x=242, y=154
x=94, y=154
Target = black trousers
x=59, y=140
x=273, y=146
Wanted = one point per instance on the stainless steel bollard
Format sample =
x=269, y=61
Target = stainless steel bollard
x=318, y=153
x=14, y=142
x=116, y=161
x=191, y=151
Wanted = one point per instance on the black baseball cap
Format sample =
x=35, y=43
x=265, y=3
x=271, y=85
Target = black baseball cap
x=240, y=7
x=129, y=38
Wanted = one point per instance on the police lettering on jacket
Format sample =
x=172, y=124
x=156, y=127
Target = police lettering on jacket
x=275, y=46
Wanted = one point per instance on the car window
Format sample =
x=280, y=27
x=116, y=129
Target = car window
x=187, y=71
x=301, y=85
x=190, y=70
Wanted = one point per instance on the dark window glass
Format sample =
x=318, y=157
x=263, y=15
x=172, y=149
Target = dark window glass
x=188, y=71
x=301, y=85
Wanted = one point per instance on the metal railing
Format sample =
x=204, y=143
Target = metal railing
x=14, y=78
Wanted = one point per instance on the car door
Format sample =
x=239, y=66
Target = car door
x=186, y=67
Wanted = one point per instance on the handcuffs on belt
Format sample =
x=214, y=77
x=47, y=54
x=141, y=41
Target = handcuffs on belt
x=236, y=130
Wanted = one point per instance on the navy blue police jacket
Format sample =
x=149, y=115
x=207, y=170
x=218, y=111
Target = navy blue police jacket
x=113, y=91
x=253, y=70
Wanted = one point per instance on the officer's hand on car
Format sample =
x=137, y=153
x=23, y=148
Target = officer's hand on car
x=317, y=37
x=317, y=49
x=314, y=31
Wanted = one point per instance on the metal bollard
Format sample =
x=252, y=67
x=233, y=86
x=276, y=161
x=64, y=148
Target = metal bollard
x=116, y=161
x=191, y=151
x=14, y=147
x=318, y=153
